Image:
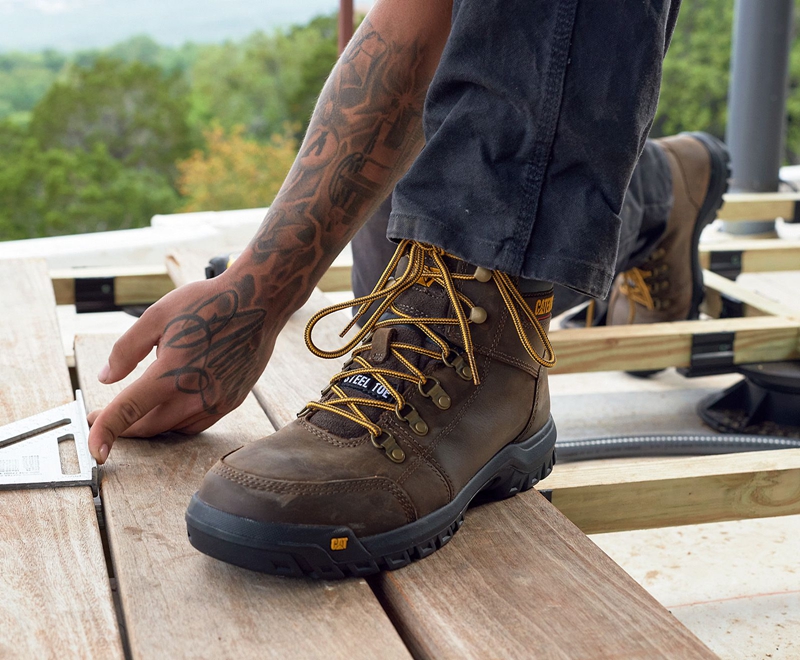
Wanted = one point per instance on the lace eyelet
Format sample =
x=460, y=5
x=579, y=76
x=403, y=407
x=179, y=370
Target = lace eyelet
x=413, y=418
x=458, y=363
x=436, y=394
x=387, y=442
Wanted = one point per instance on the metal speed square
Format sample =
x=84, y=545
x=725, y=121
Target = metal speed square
x=29, y=454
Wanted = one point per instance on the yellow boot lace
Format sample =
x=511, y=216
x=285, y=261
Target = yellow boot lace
x=425, y=266
x=635, y=286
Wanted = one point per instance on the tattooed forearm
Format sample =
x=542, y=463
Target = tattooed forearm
x=215, y=337
x=366, y=130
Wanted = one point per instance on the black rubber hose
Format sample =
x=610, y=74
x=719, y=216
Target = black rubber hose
x=667, y=445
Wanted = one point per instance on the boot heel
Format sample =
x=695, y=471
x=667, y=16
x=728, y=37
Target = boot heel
x=510, y=480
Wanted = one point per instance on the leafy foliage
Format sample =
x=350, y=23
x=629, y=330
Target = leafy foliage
x=266, y=80
x=694, y=86
x=235, y=172
x=105, y=139
x=59, y=191
x=24, y=79
x=135, y=110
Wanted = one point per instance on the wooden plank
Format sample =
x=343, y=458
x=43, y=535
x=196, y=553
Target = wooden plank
x=754, y=303
x=180, y=603
x=662, y=345
x=783, y=287
x=469, y=600
x=55, y=597
x=133, y=285
x=612, y=496
x=758, y=256
x=519, y=580
x=336, y=278
x=758, y=206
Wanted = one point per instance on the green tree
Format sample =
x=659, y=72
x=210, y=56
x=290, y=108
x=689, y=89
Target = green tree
x=58, y=191
x=24, y=79
x=266, y=80
x=135, y=111
x=694, y=87
x=234, y=172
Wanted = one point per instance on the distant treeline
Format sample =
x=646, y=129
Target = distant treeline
x=105, y=139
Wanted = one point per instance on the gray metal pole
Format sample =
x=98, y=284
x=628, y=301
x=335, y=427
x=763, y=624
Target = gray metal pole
x=762, y=38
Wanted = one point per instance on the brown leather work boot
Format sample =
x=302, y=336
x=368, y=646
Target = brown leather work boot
x=668, y=286
x=445, y=397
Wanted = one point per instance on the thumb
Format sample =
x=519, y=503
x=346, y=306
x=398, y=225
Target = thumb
x=130, y=349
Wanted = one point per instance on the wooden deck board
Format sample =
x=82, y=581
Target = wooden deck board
x=180, y=603
x=519, y=580
x=55, y=598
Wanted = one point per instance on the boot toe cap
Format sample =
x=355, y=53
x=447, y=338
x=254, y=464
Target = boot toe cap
x=367, y=506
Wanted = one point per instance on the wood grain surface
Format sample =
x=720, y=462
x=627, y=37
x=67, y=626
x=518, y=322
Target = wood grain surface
x=179, y=603
x=133, y=285
x=612, y=496
x=758, y=206
x=755, y=304
x=55, y=598
x=758, y=255
x=518, y=581
x=662, y=345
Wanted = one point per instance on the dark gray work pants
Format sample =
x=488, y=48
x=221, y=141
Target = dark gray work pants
x=534, y=122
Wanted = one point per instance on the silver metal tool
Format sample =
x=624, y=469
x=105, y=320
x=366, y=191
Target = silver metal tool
x=29, y=456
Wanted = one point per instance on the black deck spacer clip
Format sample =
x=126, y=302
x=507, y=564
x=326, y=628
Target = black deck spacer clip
x=796, y=217
x=94, y=294
x=712, y=353
x=727, y=263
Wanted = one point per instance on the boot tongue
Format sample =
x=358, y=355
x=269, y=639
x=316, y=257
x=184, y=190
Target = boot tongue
x=419, y=301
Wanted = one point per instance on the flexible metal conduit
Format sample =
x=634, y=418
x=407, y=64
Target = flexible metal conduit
x=667, y=445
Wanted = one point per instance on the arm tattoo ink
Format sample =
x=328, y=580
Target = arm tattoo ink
x=365, y=132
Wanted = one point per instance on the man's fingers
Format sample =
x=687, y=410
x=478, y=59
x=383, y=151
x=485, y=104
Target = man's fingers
x=130, y=349
x=170, y=416
x=127, y=408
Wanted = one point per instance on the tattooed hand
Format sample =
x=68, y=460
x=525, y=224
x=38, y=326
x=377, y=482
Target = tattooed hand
x=211, y=344
x=214, y=338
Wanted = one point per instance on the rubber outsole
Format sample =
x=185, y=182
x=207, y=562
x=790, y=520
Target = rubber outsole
x=329, y=552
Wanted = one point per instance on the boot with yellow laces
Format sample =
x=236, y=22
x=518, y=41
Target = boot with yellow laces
x=444, y=397
x=668, y=286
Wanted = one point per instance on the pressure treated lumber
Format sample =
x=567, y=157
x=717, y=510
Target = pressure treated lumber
x=55, y=597
x=758, y=206
x=518, y=581
x=757, y=256
x=661, y=345
x=613, y=496
x=754, y=303
x=179, y=603
x=133, y=285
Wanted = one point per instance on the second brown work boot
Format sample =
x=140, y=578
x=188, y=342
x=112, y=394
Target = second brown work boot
x=445, y=396
x=668, y=286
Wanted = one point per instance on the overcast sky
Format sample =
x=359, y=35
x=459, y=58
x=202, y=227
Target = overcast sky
x=77, y=24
